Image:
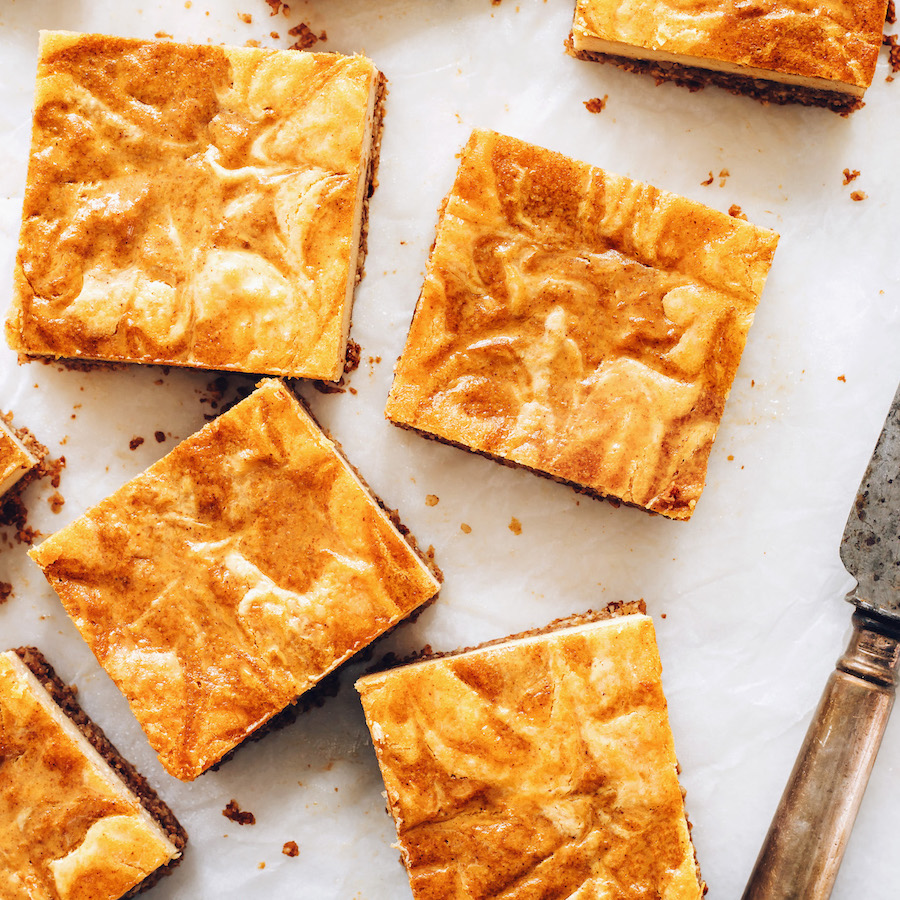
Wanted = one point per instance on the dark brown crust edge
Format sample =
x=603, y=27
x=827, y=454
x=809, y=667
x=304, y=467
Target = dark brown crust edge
x=695, y=78
x=64, y=697
x=574, y=485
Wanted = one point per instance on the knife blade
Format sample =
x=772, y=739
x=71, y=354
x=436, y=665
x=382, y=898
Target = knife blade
x=803, y=849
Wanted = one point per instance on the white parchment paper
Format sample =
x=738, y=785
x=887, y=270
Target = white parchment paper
x=746, y=597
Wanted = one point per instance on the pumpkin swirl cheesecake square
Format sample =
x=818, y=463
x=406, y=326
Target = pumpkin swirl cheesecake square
x=77, y=822
x=541, y=765
x=195, y=205
x=233, y=575
x=579, y=324
x=814, y=52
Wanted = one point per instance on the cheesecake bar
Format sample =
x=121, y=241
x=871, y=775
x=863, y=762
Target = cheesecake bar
x=16, y=459
x=580, y=324
x=232, y=576
x=195, y=205
x=538, y=766
x=780, y=51
x=77, y=822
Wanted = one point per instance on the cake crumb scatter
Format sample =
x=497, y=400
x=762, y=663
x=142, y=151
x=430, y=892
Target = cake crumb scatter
x=736, y=212
x=723, y=174
x=858, y=195
x=596, y=104
x=135, y=442
x=890, y=41
x=56, y=501
x=850, y=175
x=290, y=848
x=709, y=180
x=242, y=817
x=246, y=18
x=306, y=37
x=6, y=590
x=432, y=500
x=163, y=35
x=465, y=529
x=891, y=14
x=515, y=526
x=842, y=378
x=160, y=436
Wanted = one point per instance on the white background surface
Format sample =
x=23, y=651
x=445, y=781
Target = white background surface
x=750, y=589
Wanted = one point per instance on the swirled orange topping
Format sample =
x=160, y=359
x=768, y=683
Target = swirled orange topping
x=193, y=205
x=537, y=767
x=69, y=828
x=580, y=324
x=232, y=576
x=814, y=43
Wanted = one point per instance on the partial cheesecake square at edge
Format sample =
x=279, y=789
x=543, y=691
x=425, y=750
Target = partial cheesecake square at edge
x=75, y=817
x=579, y=324
x=17, y=460
x=536, y=765
x=232, y=575
x=786, y=52
x=195, y=205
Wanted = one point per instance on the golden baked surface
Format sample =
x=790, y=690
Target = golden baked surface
x=192, y=205
x=580, y=324
x=836, y=40
x=68, y=829
x=543, y=767
x=14, y=460
x=231, y=576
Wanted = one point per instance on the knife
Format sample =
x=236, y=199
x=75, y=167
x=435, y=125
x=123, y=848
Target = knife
x=802, y=852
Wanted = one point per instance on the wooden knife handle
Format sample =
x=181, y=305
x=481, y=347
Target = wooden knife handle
x=805, y=844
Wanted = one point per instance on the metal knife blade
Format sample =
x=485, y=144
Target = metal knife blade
x=870, y=548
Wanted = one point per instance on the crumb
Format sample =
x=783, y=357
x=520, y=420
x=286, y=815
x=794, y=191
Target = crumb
x=730, y=457
x=246, y=18
x=465, y=529
x=160, y=436
x=709, y=180
x=56, y=501
x=353, y=391
x=351, y=362
x=262, y=865
x=432, y=500
x=736, y=212
x=6, y=590
x=163, y=35
x=251, y=43
x=662, y=615
x=274, y=35
x=329, y=387
x=858, y=195
x=595, y=104
x=850, y=175
x=275, y=6
x=891, y=15
x=290, y=848
x=306, y=38
x=842, y=378
x=135, y=442
x=723, y=174
x=242, y=817
x=890, y=41
x=496, y=2
x=515, y=526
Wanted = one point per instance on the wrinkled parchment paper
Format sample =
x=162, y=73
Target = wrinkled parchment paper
x=746, y=597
